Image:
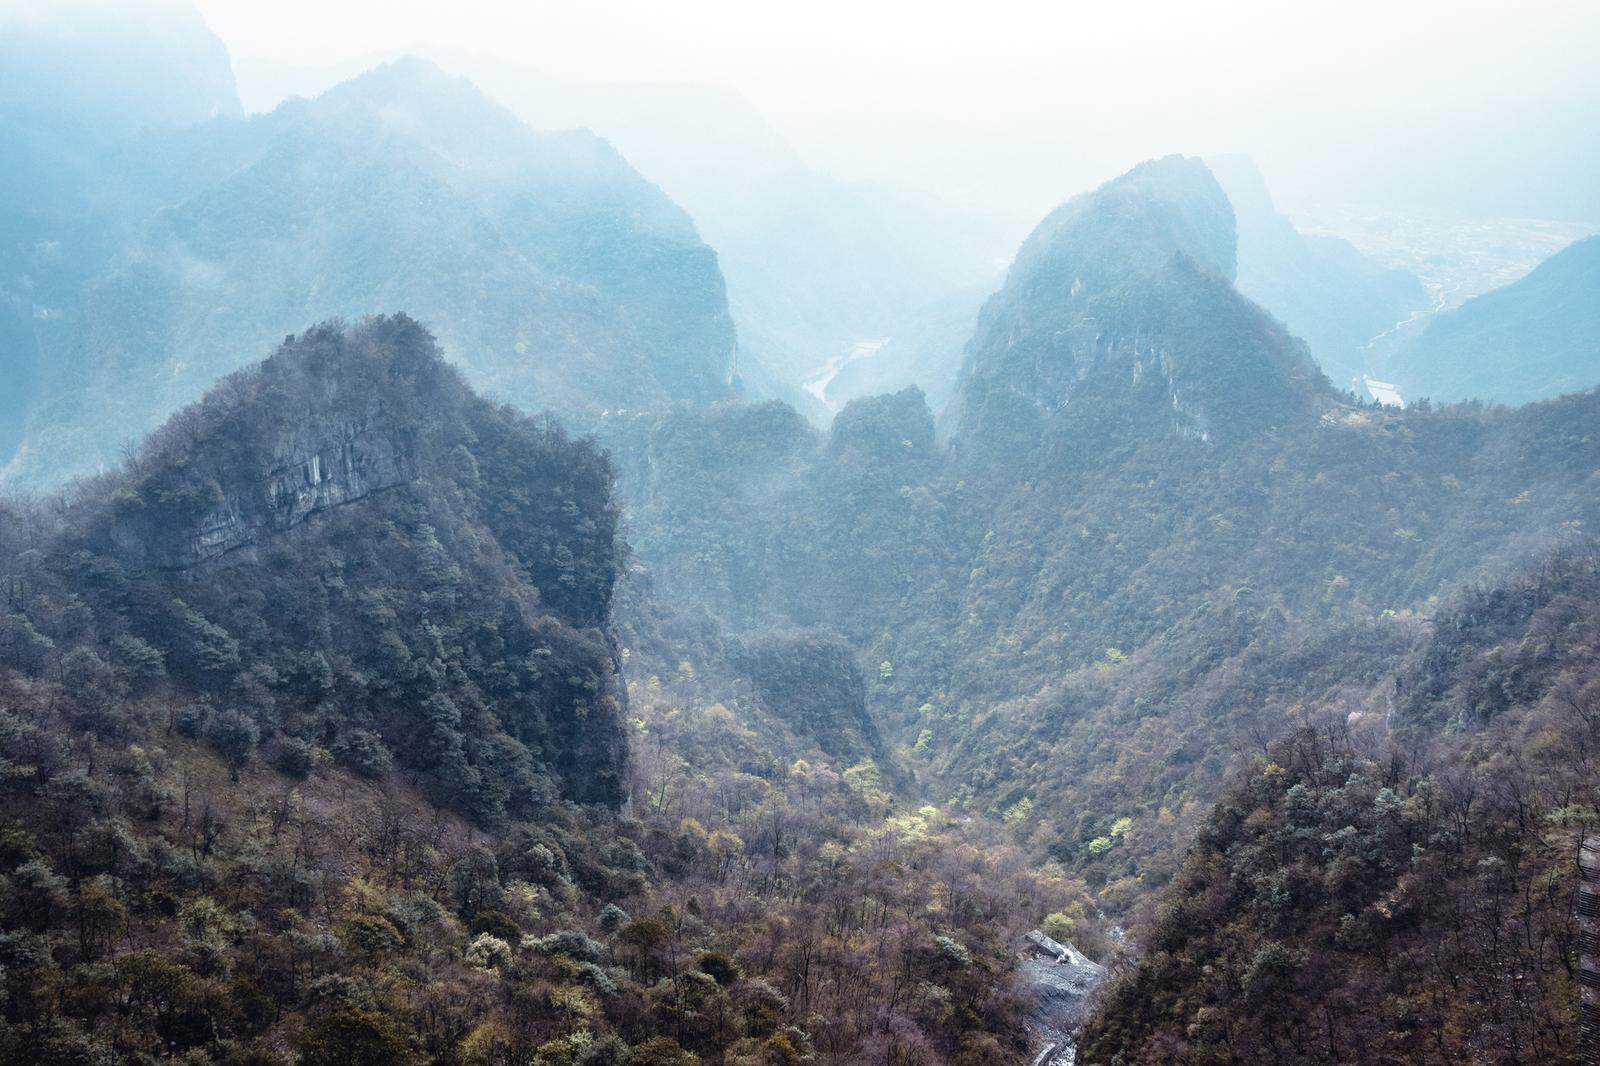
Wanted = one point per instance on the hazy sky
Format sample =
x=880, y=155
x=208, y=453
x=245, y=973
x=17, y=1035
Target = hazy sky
x=1486, y=107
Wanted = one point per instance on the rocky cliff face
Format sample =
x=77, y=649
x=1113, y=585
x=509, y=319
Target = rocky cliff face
x=329, y=470
x=305, y=471
x=379, y=563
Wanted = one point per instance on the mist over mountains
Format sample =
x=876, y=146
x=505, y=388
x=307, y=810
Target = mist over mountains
x=1136, y=452
x=71, y=85
x=1326, y=291
x=539, y=572
x=405, y=187
x=820, y=262
x=1531, y=340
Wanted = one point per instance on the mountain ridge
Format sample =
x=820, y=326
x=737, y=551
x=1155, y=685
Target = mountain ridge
x=559, y=276
x=1076, y=612
x=1534, y=339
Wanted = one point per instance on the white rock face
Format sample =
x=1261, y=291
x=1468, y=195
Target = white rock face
x=338, y=468
x=310, y=469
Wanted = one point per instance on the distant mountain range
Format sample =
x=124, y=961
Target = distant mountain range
x=1324, y=290
x=74, y=80
x=813, y=263
x=560, y=278
x=109, y=69
x=1297, y=687
x=1535, y=338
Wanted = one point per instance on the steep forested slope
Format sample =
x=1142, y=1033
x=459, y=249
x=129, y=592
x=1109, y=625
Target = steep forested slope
x=557, y=276
x=313, y=744
x=1395, y=891
x=341, y=550
x=1533, y=339
x=1156, y=532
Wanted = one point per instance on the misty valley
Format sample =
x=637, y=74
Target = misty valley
x=500, y=572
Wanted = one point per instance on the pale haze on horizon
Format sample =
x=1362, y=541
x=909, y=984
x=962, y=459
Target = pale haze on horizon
x=1010, y=106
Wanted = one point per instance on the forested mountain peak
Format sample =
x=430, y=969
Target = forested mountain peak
x=343, y=548
x=312, y=714
x=451, y=116
x=1134, y=224
x=1119, y=318
x=883, y=428
x=420, y=100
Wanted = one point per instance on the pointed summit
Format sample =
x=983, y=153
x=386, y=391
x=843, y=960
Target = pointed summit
x=445, y=113
x=1134, y=225
x=1119, y=317
x=351, y=497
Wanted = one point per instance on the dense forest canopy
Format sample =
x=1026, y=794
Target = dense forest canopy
x=343, y=549
x=313, y=739
x=1082, y=612
x=1087, y=672
x=1404, y=895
